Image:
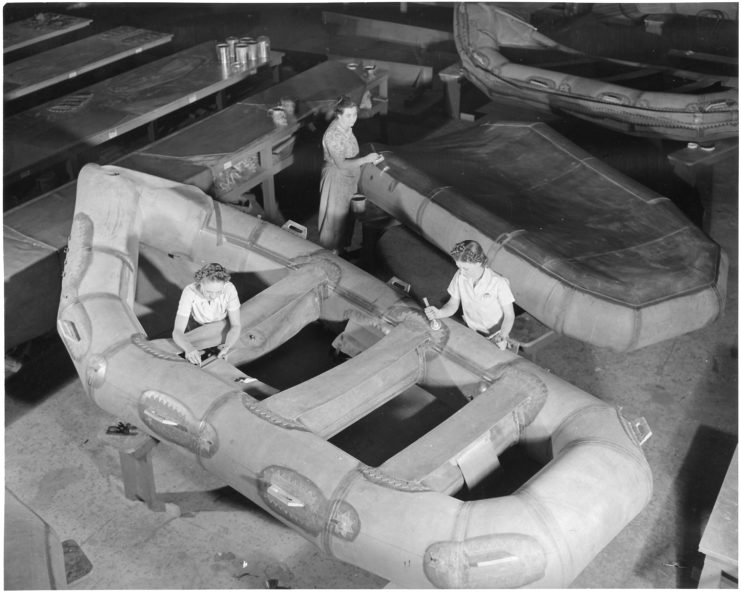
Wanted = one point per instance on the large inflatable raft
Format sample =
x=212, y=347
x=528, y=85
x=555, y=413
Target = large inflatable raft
x=399, y=520
x=589, y=252
x=503, y=55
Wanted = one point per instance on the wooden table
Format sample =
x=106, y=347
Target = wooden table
x=69, y=61
x=241, y=147
x=719, y=542
x=40, y=27
x=53, y=132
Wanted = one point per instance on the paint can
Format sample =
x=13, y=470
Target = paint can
x=222, y=51
x=252, y=50
x=226, y=69
x=357, y=203
x=242, y=53
x=232, y=43
x=279, y=116
x=288, y=105
x=263, y=47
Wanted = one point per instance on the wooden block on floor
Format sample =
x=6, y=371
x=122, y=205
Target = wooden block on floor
x=137, y=471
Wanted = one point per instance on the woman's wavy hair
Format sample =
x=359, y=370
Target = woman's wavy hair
x=468, y=251
x=212, y=271
x=343, y=102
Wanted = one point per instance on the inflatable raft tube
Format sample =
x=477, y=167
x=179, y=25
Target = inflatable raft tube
x=399, y=520
x=589, y=252
x=501, y=55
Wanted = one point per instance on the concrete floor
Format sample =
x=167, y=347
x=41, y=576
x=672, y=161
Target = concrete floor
x=58, y=462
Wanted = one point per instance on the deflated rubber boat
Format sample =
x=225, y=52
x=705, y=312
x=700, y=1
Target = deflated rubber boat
x=588, y=251
x=400, y=519
x=503, y=55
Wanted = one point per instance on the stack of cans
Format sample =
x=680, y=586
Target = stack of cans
x=244, y=50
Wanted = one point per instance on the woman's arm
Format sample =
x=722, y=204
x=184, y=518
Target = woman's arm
x=178, y=336
x=447, y=310
x=336, y=149
x=235, y=328
x=508, y=321
x=355, y=163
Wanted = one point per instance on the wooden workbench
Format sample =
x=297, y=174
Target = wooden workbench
x=69, y=61
x=719, y=542
x=53, y=132
x=38, y=28
x=241, y=147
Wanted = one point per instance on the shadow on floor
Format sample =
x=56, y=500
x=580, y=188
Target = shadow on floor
x=696, y=486
x=223, y=499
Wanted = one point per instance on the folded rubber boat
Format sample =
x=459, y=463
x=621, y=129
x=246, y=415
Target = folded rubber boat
x=503, y=55
x=399, y=520
x=589, y=252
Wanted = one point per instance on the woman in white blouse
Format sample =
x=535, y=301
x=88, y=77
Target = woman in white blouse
x=210, y=299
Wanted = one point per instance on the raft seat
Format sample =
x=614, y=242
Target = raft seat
x=465, y=447
x=280, y=311
x=330, y=402
x=224, y=371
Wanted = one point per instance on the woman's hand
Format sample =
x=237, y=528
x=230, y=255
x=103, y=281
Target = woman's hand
x=223, y=351
x=194, y=357
x=432, y=313
x=501, y=341
x=372, y=158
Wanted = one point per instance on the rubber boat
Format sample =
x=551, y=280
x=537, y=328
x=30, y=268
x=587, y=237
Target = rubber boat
x=400, y=519
x=504, y=55
x=589, y=252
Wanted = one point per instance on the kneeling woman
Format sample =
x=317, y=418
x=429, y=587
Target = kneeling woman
x=488, y=303
x=210, y=299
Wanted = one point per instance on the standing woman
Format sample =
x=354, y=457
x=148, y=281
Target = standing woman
x=340, y=175
x=210, y=299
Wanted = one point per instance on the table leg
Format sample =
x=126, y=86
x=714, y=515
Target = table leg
x=269, y=203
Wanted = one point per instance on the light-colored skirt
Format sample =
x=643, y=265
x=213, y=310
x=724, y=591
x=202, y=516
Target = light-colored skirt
x=337, y=188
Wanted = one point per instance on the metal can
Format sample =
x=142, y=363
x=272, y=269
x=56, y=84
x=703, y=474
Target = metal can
x=242, y=53
x=246, y=40
x=357, y=203
x=263, y=47
x=279, y=116
x=288, y=105
x=222, y=51
x=252, y=50
x=232, y=42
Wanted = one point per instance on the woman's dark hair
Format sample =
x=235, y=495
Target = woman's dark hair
x=212, y=271
x=344, y=102
x=468, y=251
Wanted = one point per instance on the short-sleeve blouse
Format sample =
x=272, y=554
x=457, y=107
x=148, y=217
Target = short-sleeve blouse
x=205, y=310
x=482, y=302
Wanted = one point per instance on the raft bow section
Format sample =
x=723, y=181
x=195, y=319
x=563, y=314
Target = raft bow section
x=588, y=251
x=502, y=55
x=398, y=520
